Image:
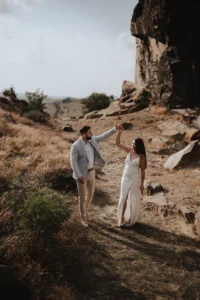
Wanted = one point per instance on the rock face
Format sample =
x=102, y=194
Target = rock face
x=168, y=52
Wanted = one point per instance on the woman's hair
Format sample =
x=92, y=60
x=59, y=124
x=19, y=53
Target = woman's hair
x=140, y=149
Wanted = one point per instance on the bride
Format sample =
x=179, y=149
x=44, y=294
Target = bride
x=132, y=183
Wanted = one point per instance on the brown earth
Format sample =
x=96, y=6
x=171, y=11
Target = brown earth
x=159, y=257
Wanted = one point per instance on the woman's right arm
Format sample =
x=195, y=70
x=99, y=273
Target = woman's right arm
x=118, y=144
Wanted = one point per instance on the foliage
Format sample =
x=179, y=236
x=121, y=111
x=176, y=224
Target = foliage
x=67, y=100
x=96, y=101
x=38, y=213
x=36, y=100
x=10, y=92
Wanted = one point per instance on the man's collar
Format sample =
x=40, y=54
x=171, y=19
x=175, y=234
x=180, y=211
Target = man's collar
x=84, y=143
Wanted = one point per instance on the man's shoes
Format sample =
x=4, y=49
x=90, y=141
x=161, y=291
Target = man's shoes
x=84, y=223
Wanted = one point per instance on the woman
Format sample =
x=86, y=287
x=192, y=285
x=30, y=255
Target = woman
x=132, y=184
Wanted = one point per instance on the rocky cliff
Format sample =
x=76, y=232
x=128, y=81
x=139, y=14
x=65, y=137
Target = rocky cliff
x=168, y=50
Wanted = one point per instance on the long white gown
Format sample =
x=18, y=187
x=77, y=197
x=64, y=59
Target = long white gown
x=130, y=186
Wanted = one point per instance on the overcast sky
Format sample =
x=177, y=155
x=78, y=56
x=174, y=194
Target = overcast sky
x=66, y=47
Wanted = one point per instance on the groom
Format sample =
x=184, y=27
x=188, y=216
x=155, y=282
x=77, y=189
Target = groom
x=84, y=155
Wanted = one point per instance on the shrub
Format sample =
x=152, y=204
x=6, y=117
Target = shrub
x=67, y=100
x=38, y=213
x=96, y=102
x=36, y=100
x=10, y=93
x=36, y=116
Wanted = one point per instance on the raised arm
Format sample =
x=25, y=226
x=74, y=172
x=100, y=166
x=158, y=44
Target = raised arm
x=105, y=135
x=143, y=167
x=118, y=144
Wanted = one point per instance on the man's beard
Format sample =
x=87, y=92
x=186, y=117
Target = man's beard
x=88, y=138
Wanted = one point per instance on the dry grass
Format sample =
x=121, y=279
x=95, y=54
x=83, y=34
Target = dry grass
x=30, y=149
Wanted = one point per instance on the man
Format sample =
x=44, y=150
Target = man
x=84, y=155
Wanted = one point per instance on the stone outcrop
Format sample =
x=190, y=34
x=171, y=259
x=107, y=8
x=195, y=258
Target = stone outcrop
x=131, y=100
x=168, y=51
x=190, y=153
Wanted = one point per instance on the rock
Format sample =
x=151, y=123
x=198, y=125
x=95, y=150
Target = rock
x=173, y=135
x=158, y=199
x=164, y=151
x=112, y=110
x=156, y=203
x=154, y=188
x=128, y=87
x=67, y=128
x=183, y=112
x=188, y=215
x=173, y=125
x=127, y=126
x=93, y=115
x=190, y=152
x=159, y=142
x=179, y=146
x=123, y=111
x=142, y=99
x=128, y=105
x=167, y=50
x=193, y=121
x=195, y=136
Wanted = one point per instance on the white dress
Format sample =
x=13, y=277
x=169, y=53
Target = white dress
x=130, y=186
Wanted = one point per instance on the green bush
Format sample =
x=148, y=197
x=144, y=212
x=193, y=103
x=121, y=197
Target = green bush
x=35, y=115
x=38, y=214
x=67, y=100
x=96, y=102
x=36, y=100
x=10, y=93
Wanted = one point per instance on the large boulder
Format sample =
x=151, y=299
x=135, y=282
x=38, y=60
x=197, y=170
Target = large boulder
x=128, y=87
x=188, y=154
x=93, y=115
x=168, y=51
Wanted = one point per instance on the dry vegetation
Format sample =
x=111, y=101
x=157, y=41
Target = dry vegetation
x=40, y=237
x=157, y=259
x=28, y=149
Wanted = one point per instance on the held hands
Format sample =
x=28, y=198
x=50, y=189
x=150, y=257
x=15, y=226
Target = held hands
x=81, y=180
x=119, y=128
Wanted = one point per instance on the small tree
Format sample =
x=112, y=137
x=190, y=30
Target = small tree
x=96, y=101
x=10, y=93
x=67, y=100
x=36, y=100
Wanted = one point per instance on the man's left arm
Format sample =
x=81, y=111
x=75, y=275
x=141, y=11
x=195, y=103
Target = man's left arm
x=105, y=135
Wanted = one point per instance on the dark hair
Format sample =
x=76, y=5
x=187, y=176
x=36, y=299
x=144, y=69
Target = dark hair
x=140, y=149
x=84, y=129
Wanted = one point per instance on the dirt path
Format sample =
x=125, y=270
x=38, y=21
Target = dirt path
x=159, y=258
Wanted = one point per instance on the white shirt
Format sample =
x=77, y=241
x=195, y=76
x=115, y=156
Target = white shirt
x=90, y=154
